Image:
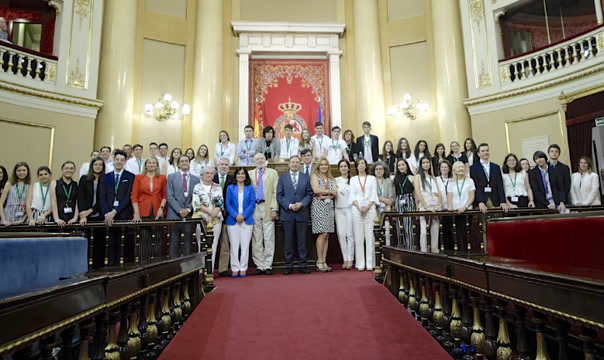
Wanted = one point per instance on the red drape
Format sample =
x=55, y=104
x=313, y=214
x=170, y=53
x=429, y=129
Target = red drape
x=288, y=92
x=46, y=17
x=580, y=116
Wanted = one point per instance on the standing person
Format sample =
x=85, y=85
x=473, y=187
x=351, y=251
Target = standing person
x=546, y=184
x=370, y=144
x=89, y=193
x=516, y=184
x=64, y=196
x=153, y=149
x=15, y=195
x=585, y=190
x=38, y=202
x=456, y=155
x=385, y=192
x=269, y=145
x=306, y=141
x=487, y=178
x=471, y=151
x=86, y=165
x=208, y=203
x=438, y=158
x=240, y=203
x=179, y=193
x=363, y=197
x=3, y=181
x=307, y=165
x=421, y=151
x=337, y=147
x=525, y=164
x=323, y=216
x=388, y=156
x=294, y=195
x=246, y=149
x=223, y=178
x=106, y=156
x=173, y=165
x=344, y=215
x=225, y=148
x=429, y=199
x=264, y=181
x=562, y=170
x=190, y=153
x=128, y=150
x=115, y=201
x=403, y=151
x=163, y=158
x=320, y=142
x=135, y=164
x=443, y=180
x=460, y=198
x=289, y=145
x=352, y=150
x=201, y=162
x=405, y=202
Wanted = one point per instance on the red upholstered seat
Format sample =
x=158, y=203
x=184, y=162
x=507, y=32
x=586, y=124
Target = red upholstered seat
x=558, y=243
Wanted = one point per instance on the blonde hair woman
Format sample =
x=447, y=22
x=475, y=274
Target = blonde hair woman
x=460, y=198
x=585, y=188
x=322, y=209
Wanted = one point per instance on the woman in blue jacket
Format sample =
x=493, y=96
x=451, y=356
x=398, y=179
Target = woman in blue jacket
x=240, y=204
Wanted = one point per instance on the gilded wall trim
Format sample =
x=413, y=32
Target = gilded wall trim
x=39, y=126
x=49, y=95
x=76, y=77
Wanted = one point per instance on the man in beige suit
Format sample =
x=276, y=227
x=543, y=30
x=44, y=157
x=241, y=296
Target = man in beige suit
x=263, y=239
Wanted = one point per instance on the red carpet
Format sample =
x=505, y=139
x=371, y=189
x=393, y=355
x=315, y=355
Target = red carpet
x=338, y=315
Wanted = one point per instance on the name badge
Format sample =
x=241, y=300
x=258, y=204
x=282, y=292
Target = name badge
x=382, y=204
x=186, y=193
x=363, y=203
x=488, y=189
x=432, y=202
x=328, y=201
x=116, y=203
x=19, y=214
x=514, y=198
x=68, y=209
x=402, y=202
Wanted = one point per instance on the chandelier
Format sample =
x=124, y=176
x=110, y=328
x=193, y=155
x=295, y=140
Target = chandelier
x=409, y=107
x=166, y=108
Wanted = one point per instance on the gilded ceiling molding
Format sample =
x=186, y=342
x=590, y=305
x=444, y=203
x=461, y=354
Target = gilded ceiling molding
x=81, y=8
x=477, y=11
x=49, y=95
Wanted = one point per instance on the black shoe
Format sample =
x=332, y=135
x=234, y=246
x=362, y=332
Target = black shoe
x=268, y=272
x=288, y=271
x=224, y=274
x=258, y=272
x=304, y=270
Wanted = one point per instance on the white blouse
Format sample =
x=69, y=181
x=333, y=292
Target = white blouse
x=357, y=193
x=197, y=167
x=460, y=191
x=37, y=199
x=443, y=186
x=229, y=151
x=515, y=185
x=343, y=198
x=585, y=190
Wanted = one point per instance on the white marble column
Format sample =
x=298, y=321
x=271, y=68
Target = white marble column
x=368, y=69
x=334, y=90
x=599, y=15
x=116, y=74
x=208, y=97
x=244, y=99
x=450, y=73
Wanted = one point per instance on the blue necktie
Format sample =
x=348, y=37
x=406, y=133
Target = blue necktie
x=117, y=178
x=295, y=181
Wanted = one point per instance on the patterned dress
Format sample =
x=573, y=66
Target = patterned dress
x=201, y=198
x=405, y=202
x=323, y=213
x=15, y=202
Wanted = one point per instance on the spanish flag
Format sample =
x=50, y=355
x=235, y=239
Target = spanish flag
x=257, y=131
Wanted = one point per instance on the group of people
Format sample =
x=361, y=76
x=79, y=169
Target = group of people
x=243, y=208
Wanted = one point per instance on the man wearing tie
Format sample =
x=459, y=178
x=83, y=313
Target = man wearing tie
x=489, y=183
x=115, y=200
x=294, y=195
x=223, y=178
x=179, y=192
x=307, y=165
x=263, y=239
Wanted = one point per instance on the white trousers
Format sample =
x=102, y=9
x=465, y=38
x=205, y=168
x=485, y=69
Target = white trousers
x=263, y=241
x=434, y=230
x=363, y=235
x=217, y=231
x=240, y=235
x=344, y=229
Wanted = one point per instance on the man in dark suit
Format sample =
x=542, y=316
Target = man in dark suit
x=562, y=170
x=223, y=178
x=115, y=200
x=307, y=165
x=369, y=144
x=179, y=192
x=294, y=195
x=487, y=178
x=546, y=184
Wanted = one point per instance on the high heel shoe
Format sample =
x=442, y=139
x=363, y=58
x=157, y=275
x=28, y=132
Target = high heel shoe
x=321, y=268
x=327, y=267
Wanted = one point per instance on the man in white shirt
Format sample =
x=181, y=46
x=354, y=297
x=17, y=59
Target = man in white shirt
x=337, y=147
x=289, y=144
x=307, y=165
x=135, y=164
x=163, y=158
x=86, y=165
x=246, y=149
x=321, y=141
x=106, y=156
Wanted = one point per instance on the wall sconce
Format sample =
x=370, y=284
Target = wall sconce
x=166, y=108
x=408, y=107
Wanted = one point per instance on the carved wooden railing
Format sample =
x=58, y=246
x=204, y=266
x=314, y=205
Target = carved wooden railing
x=23, y=63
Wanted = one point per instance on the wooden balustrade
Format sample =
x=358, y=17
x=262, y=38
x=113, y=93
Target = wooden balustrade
x=27, y=64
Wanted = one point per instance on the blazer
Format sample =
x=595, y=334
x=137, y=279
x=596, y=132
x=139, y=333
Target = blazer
x=539, y=189
x=275, y=147
x=286, y=195
x=375, y=146
x=230, y=179
x=232, y=204
x=564, y=175
x=175, y=194
x=436, y=166
x=495, y=181
x=86, y=193
x=270, y=180
x=353, y=149
x=387, y=192
x=391, y=162
x=144, y=197
x=463, y=158
x=109, y=195
x=585, y=191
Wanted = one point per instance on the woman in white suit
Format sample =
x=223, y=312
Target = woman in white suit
x=585, y=189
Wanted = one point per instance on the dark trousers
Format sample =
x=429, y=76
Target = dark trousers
x=176, y=231
x=462, y=231
x=447, y=226
x=295, y=230
x=113, y=251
